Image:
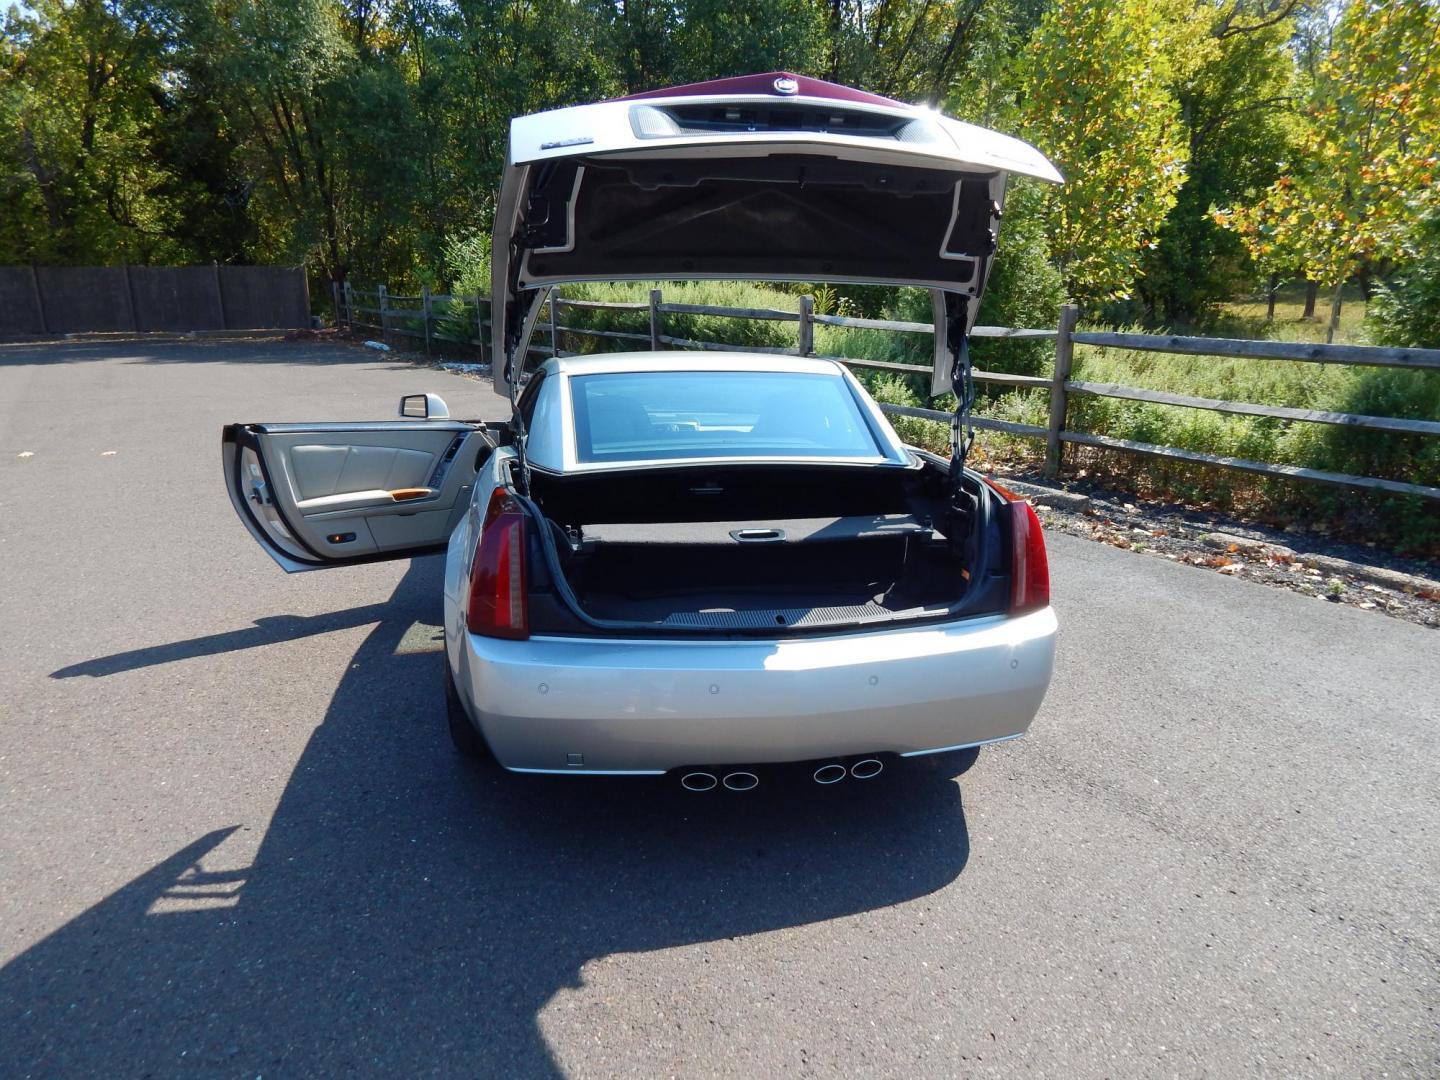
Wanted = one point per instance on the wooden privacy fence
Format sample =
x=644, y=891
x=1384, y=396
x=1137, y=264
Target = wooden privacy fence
x=396, y=316
x=40, y=300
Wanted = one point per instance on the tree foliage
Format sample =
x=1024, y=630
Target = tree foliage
x=1406, y=310
x=81, y=119
x=1095, y=84
x=1236, y=110
x=1365, y=162
x=365, y=137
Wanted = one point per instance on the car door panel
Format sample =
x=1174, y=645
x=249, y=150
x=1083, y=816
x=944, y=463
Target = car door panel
x=316, y=495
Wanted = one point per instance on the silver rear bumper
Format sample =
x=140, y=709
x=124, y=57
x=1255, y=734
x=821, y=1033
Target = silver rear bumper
x=596, y=705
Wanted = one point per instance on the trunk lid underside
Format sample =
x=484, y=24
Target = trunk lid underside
x=769, y=177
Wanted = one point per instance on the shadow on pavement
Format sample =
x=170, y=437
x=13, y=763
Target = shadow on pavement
x=172, y=350
x=408, y=914
x=266, y=631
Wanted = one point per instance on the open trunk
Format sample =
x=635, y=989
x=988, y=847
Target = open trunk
x=774, y=549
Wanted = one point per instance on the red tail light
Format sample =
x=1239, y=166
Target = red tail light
x=1029, y=567
x=498, y=607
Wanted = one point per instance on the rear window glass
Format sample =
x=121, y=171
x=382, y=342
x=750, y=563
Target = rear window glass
x=692, y=414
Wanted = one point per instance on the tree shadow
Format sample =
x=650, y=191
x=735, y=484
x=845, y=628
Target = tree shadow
x=406, y=913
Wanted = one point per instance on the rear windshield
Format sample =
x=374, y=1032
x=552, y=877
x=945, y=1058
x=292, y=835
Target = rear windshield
x=633, y=416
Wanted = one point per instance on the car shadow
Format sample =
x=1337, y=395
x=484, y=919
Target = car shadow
x=409, y=913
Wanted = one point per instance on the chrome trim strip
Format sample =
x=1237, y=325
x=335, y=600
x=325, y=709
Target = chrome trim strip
x=962, y=746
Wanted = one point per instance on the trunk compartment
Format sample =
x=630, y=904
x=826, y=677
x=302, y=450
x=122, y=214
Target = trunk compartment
x=768, y=549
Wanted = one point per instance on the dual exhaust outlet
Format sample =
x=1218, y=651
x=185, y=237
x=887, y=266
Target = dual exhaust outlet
x=864, y=769
x=705, y=781
x=831, y=773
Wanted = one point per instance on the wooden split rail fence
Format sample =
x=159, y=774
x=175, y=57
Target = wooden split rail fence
x=417, y=317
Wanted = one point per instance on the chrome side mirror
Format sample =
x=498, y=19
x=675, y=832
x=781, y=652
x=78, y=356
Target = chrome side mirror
x=424, y=407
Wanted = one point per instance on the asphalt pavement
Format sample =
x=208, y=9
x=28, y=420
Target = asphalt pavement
x=234, y=840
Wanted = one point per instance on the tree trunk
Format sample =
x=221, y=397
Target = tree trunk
x=1312, y=291
x=1334, y=313
x=1270, y=297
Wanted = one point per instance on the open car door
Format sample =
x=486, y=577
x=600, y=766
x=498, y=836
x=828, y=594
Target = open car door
x=317, y=495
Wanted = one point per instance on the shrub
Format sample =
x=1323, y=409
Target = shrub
x=467, y=263
x=1406, y=312
x=1024, y=290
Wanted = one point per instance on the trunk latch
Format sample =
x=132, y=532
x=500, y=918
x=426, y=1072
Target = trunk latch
x=758, y=536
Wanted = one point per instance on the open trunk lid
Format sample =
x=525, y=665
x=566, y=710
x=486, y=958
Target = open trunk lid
x=772, y=177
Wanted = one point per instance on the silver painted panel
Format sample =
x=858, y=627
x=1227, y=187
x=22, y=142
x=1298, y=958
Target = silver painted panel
x=653, y=705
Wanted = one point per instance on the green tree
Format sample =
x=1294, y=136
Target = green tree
x=1405, y=311
x=1365, y=163
x=907, y=49
x=715, y=38
x=1095, y=81
x=77, y=120
x=1237, y=110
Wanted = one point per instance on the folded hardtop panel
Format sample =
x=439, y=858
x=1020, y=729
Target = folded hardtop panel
x=762, y=531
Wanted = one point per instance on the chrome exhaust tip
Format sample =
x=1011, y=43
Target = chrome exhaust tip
x=741, y=781
x=698, y=781
x=830, y=774
x=867, y=769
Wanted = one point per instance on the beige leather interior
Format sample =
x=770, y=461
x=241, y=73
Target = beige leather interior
x=334, y=487
x=322, y=470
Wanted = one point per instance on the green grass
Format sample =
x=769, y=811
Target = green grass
x=1245, y=317
x=731, y=331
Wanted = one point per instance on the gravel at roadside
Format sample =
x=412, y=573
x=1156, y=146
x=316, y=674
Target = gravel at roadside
x=1297, y=559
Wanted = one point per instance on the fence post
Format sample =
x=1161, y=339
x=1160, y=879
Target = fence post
x=480, y=325
x=349, y=307
x=335, y=300
x=806, y=344
x=654, y=320
x=425, y=306
x=384, y=329
x=554, y=335
x=1064, y=356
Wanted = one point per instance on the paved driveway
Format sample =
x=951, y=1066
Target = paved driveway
x=234, y=841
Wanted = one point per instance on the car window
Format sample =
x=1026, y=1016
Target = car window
x=530, y=398
x=632, y=416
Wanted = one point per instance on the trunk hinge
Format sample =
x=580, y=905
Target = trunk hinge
x=521, y=308
x=964, y=506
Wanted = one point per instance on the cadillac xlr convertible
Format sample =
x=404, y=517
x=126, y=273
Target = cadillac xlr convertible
x=703, y=564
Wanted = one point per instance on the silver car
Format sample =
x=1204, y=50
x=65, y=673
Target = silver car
x=695, y=563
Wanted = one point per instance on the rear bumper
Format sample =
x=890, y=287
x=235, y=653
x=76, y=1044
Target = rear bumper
x=645, y=707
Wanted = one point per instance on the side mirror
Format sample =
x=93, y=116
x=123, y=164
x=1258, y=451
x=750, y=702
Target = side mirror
x=424, y=407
